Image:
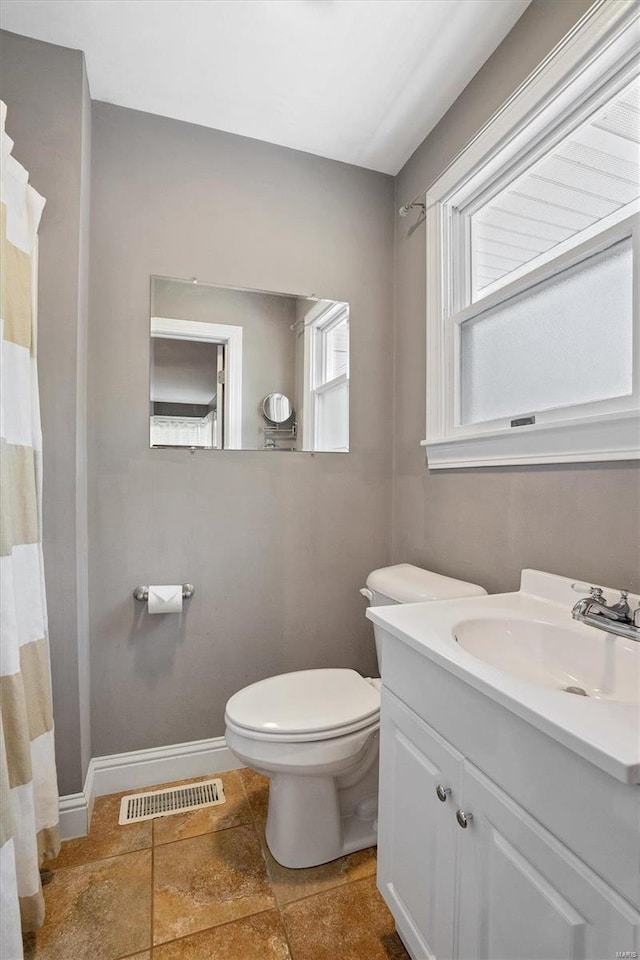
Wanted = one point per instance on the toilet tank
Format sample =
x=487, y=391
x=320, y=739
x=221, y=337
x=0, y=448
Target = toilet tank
x=404, y=583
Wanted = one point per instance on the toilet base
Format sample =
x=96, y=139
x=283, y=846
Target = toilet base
x=313, y=820
x=310, y=830
x=323, y=795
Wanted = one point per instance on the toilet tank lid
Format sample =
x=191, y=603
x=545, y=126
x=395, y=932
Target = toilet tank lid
x=408, y=584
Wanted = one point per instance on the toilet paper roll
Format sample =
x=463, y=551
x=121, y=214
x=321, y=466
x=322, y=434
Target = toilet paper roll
x=165, y=598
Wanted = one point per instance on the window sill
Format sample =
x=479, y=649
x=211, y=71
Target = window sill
x=611, y=437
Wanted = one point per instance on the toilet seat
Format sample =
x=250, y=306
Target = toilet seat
x=308, y=705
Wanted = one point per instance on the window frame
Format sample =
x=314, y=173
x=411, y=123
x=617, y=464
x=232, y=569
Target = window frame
x=316, y=331
x=598, y=57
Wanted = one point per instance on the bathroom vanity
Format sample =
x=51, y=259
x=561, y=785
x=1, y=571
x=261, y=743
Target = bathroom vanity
x=509, y=822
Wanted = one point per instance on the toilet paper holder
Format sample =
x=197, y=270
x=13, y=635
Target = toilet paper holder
x=142, y=593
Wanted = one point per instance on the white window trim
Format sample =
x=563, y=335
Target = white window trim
x=229, y=335
x=601, y=47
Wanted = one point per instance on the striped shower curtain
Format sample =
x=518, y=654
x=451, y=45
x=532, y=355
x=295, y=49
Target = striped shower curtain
x=28, y=785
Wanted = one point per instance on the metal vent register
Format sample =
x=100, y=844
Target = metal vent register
x=162, y=803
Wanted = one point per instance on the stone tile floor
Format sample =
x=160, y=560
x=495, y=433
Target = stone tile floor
x=203, y=886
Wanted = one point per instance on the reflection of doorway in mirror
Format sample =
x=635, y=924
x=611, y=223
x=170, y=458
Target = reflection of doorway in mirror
x=187, y=401
x=196, y=368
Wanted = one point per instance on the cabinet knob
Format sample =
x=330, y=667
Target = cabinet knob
x=463, y=818
x=442, y=792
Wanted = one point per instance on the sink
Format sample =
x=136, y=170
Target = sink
x=572, y=682
x=575, y=660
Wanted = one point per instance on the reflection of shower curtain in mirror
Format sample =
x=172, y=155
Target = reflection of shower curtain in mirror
x=184, y=431
x=29, y=794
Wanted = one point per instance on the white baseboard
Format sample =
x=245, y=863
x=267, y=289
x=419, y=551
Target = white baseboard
x=141, y=768
x=73, y=811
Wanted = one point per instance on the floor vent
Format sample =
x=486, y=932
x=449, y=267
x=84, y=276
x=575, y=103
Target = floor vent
x=162, y=803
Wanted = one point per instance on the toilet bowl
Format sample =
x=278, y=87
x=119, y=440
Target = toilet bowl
x=315, y=735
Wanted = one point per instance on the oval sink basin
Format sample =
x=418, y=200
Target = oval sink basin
x=580, y=661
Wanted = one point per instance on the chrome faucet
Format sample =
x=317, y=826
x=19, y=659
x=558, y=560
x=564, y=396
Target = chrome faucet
x=615, y=618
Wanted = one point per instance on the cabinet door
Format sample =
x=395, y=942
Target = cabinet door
x=524, y=895
x=417, y=833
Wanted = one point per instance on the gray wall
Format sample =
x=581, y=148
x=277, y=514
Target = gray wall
x=277, y=546
x=48, y=117
x=486, y=525
x=268, y=345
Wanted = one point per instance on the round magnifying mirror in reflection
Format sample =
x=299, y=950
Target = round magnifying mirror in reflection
x=276, y=407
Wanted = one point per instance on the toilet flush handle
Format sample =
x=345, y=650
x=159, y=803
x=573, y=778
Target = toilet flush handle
x=367, y=594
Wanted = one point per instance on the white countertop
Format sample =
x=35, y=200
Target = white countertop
x=604, y=732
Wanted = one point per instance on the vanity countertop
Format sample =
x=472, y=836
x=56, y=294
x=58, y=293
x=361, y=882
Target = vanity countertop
x=602, y=727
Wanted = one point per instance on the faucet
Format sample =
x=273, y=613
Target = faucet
x=616, y=618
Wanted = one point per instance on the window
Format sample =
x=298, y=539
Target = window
x=532, y=325
x=582, y=185
x=327, y=349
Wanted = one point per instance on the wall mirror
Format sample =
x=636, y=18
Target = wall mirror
x=236, y=369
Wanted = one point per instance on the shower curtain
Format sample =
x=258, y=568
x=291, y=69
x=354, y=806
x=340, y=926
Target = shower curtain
x=28, y=784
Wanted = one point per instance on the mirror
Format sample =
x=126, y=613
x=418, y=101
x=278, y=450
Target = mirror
x=276, y=408
x=236, y=369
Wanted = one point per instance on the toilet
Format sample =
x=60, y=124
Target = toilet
x=315, y=735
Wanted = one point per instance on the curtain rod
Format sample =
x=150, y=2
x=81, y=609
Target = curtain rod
x=529, y=79
x=416, y=201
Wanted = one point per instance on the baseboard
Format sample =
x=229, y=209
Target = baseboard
x=73, y=811
x=141, y=768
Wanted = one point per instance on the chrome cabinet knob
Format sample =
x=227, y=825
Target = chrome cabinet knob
x=443, y=792
x=463, y=818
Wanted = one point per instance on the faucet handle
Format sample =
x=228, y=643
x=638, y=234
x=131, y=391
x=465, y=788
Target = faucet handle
x=585, y=588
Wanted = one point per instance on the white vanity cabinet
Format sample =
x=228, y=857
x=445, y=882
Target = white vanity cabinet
x=523, y=894
x=416, y=831
x=503, y=887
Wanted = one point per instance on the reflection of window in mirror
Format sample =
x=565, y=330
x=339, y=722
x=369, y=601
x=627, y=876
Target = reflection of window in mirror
x=326, y=426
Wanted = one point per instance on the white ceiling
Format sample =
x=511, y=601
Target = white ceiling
x=363, y=81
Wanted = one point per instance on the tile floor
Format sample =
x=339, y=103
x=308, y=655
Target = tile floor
x=203, y=886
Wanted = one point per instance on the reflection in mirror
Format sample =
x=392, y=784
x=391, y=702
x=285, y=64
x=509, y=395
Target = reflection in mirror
x=247, y=370
x=280, y=426
x=277, y=408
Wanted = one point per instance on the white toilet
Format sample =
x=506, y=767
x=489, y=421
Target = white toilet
x=314, y=733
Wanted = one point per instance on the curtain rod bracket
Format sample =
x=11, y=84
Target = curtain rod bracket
x=403, y=211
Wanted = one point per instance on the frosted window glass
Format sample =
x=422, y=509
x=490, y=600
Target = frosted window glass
x=565, y=341
x=332, y=423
